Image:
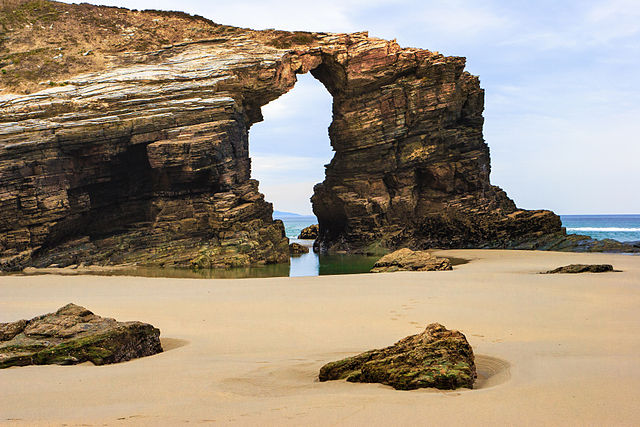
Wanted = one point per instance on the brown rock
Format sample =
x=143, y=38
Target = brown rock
x=437, y=358
x=407, y=260
x=309, y=233
x=582, y=268
x=138, y=153
x=298, y=249
x=74, y=335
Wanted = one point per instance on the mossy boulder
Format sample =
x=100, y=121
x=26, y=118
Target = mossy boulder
x=437, y=357
x=74, y=335
x=407, y=260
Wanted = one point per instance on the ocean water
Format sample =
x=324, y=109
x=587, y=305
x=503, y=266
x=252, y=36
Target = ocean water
x=624, y=228
x=293, y=225
x=313, y=264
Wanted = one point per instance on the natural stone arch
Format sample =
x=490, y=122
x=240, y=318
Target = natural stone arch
x=146, y=160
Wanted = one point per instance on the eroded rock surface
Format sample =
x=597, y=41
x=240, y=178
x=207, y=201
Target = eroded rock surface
x=582, y=268
x=407, y=260
x=298, y=249
x=74, y=335
x=309, y=233
x=135, y=149
x=437, y=357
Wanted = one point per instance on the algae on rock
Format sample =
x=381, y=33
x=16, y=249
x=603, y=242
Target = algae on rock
x=74, y=335
x=437, y=357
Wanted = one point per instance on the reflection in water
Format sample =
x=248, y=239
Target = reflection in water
x=305, y=264
x=310, y=264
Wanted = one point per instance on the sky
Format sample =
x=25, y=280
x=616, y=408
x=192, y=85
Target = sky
x=562, y=95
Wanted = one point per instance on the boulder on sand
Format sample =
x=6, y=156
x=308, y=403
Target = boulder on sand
x=74, y=335
x=437, y=358
x=407, y=260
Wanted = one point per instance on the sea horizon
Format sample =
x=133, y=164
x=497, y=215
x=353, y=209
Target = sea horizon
x=620, y=227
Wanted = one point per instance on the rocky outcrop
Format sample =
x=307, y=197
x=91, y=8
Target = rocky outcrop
x=309, y=233
x=135, y=149
x=582, y=268
x=297, y=249
x=408, y=260
x=437, y=358
x=74, y=335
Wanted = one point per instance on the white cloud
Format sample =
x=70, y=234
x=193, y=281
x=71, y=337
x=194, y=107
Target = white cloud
x=262, y=164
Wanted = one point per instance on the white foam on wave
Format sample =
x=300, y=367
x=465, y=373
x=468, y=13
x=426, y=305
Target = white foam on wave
x=604, y=229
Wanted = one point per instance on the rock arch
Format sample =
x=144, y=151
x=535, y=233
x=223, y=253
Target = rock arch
x=147, y=161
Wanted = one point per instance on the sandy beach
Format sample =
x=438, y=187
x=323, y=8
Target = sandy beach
x=551, y=349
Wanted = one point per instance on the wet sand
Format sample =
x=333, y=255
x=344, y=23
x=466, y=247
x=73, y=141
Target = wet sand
x=551, y=349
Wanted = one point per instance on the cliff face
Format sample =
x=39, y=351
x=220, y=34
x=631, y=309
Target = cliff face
x=142, y=156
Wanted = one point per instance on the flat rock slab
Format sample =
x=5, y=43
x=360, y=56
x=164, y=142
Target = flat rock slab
x=75, y=335
x=582, y=268
x=437, y=357
x=407, y=260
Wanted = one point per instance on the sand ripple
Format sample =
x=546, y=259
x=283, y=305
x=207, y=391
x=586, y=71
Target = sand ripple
x=491, y=371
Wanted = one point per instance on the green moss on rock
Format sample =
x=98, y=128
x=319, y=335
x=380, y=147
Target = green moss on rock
x=74, y=335
x=437, y=358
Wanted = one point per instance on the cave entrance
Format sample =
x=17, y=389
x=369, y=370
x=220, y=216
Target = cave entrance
x=289, y=149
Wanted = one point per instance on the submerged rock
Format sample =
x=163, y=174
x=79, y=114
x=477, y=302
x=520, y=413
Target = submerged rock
x=309, y=233
x=407, y=260
x=74, y=335
x=582, y=268
x=437, y=357
x=298, y=249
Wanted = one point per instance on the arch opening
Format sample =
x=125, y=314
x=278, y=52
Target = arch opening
x=291, y=146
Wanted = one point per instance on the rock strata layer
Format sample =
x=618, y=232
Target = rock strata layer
x=437, y=357
x=408, y=260
x=582, y=268
x=127, y=142
x=75, y=335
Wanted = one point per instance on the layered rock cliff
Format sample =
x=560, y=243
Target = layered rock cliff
x=122, y=149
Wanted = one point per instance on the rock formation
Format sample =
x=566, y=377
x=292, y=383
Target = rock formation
x=437, y=358
x=407, y=260
x=124, y=139
x=298, y=249
x=309, y=233
x=74, y=335
x=582, y=268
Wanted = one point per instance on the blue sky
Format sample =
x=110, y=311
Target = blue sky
x=562, y=111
